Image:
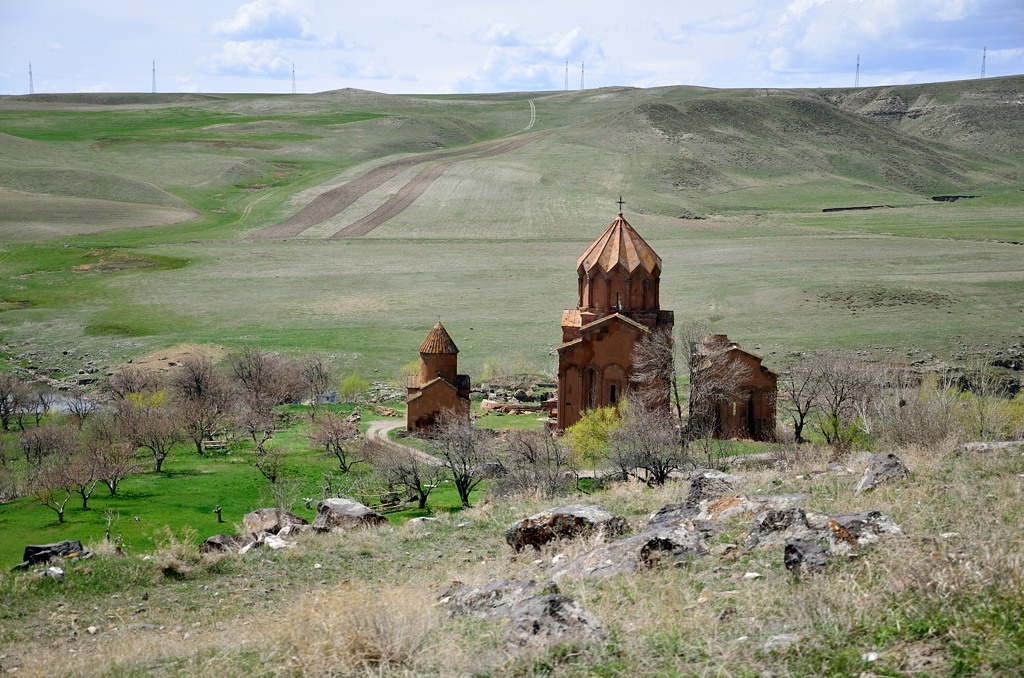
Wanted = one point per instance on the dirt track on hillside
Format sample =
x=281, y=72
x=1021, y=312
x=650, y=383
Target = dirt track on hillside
x=334, y=201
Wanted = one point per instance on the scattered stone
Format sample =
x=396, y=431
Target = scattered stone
x=221, y=542
x=92, y=630
x=780, y=642
x=494, y=600
x=69, y=549
x=53, y=572
x=333, y=515
x=271, y=520
x=803, y=558
x=852, y=530
x=777, y=526
x=882, y=469
x=633, y=554
x=543, y=621
x=978, y=447
x=749, y=576
x=422, y=520
x=564, y=522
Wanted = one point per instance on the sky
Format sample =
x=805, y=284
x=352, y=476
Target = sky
x=475, y=46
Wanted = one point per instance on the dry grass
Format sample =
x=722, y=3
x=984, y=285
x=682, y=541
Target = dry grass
x=357, y=630
x=941, y=598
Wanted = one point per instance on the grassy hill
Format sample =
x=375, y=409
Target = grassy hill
x=727, y=185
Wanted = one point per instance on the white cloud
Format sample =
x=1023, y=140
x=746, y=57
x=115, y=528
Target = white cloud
x=54, y=46
x=268, y=19
x=503, y=35
x=251, y=57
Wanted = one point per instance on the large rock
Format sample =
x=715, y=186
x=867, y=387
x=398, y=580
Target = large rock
x=335, y=515
x=634, y=553
x=848, y=531
x=43, y=553
x=564, y=522
x=221, y=542
x=882, y=469
x=494, y=600
x=270, y=520
x=543, y=621
x=709, y=484
x=706, y=486
x=775, y=527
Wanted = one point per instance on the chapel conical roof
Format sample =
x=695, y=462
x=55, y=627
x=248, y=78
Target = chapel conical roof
x=438, y=341
x=620, y=244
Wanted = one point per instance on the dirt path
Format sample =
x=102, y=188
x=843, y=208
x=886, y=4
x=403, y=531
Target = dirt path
x=379, y=431
x=419, y=184
x=336, y=200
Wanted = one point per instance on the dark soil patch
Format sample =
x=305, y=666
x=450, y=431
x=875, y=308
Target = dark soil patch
x=880, y=296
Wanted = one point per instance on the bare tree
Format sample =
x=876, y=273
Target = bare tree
x=317, y=377
x=80, y=406
x=916, y=409
x=40, y=443
x=800, y=385
x=402, y=469
x=48, y=451
x=464, y=450
x=50, y=483
x=83, y=474
x=845, y=385
x=339, y=439
x=42, y=402
x=647, y=440
x=263, y=381
x=14, y=398
x=203, y=398
x=115, y=457
x=151, y=423
x=536, y=462
x=984, y=404
x=654, y=375
x=129, y=380
x=716, y=379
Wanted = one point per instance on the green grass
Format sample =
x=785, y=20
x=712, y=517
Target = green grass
x=185, y=493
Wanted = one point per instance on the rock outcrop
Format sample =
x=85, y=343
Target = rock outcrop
x=335, y=515
x=564, y=522
x=634, y=553
x=882, y=469
x=494, y=600
x=270, y=520
x=543, y=621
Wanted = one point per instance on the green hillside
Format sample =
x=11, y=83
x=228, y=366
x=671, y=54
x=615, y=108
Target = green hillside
x=462, y=216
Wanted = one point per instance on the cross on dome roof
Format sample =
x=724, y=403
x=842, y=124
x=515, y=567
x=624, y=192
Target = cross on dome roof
x=620, y=245
x=438, y=341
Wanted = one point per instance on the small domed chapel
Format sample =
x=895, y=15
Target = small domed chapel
x=618, y=304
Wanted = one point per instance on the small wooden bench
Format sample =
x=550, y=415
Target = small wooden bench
x=214, y=444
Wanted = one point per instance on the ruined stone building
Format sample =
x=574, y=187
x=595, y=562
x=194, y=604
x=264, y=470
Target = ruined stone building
x=732, y=394
x=619, y=279
x=436, y=387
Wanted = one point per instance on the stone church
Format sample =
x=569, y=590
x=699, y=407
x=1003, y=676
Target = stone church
x=437, y=387
x=619, y=280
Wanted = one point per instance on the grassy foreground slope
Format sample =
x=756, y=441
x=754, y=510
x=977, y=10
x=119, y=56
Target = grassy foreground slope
x=727, y=185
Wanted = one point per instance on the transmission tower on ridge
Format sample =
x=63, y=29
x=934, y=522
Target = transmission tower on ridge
x=856, y=78
x=154, y=76
x=31, y=86
x=566, y=75
x=582, y=73
x=984, y=55
x=293, y=77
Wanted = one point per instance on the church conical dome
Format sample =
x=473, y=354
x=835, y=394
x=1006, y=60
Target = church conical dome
x=438, y=341
x=619, y=245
